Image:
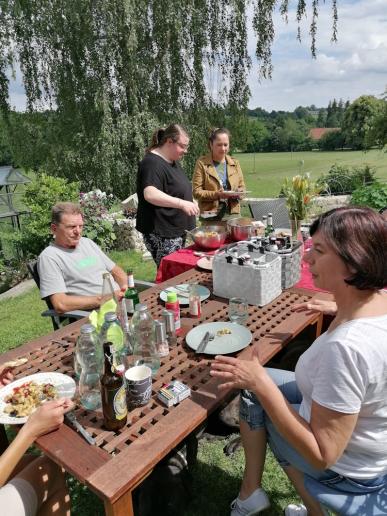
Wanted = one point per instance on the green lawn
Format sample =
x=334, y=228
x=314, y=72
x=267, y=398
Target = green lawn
x=265, y=172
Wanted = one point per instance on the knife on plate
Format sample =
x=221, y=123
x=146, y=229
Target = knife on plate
x=203, y=342
x=70, y=416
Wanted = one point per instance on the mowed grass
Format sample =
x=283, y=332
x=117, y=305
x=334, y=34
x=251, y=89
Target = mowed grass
x=264, y=173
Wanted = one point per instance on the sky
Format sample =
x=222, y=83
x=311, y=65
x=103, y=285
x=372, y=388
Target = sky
x=355, y=65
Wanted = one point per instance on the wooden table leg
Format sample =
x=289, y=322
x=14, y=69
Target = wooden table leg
x=122, y=507
x=3, y=439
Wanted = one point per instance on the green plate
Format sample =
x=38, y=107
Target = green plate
x=239, y=338
x=182, y=292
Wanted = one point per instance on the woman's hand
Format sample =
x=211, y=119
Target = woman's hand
x=317, y=305
x=239, y=374
x=189, y=208
x=6, y=375
x=47, y=417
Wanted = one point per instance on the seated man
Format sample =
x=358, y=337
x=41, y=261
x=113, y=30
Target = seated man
x=71, y=267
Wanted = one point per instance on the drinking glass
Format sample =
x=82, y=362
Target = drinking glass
x=238, y=310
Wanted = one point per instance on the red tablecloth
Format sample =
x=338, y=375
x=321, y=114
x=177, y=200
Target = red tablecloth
x=183, y=260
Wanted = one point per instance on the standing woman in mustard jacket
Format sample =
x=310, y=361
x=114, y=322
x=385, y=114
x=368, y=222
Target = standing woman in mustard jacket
x=215, y=174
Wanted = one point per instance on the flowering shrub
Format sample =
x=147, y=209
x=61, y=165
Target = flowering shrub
x=98, y=225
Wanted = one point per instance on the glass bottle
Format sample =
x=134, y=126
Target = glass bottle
x=111, y=331
x=194, y=301
x=131, y=294
x=269, y=230
x=112, y=392
x=143, y=329
x=128, y=344
x=88, y=354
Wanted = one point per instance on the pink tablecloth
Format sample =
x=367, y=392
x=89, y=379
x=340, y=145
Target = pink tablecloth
x=183, y=260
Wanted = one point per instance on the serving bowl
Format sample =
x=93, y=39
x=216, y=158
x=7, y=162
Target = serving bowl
x=209, y=237
x=243, y=228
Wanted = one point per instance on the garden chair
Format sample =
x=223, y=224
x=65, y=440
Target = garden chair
x=59, y=320
x=275, y=206
x=346, y=503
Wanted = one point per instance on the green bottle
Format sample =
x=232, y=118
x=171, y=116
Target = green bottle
x=269, y=230
x=131, y=294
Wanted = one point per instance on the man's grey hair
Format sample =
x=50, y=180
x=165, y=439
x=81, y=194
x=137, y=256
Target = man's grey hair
x=61, y=208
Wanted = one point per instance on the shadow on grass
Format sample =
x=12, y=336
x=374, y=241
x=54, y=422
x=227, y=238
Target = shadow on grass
x=215, y=481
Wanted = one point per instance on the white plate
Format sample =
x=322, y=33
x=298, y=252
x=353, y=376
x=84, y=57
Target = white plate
x=205, y=263
x=236, y=192
x=65, y=386
x=239, y=338
x=209, y=215
x=182, y=292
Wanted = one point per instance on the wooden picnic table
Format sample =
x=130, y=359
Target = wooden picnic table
x=120, y=461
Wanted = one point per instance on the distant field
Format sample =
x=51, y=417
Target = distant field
x=265, y=172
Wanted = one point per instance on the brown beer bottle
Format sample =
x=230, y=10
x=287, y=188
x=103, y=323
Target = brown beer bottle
x=112, y=392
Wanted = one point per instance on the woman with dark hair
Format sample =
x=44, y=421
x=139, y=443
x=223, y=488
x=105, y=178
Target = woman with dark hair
x=165, y=205
x=215, y=174
x=327, y=422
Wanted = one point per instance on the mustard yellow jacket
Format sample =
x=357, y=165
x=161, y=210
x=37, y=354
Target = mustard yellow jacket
x=206, y=182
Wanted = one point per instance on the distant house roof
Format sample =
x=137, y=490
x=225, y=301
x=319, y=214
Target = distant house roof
x=318, y=132
x=12, y=176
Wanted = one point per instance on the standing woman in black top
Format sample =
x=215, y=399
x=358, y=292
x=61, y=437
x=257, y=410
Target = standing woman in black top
x=165, y=204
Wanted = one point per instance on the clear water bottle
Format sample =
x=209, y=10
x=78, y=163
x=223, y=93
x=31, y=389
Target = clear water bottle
x=143, y=329
x=89, y=358
x=111, y=331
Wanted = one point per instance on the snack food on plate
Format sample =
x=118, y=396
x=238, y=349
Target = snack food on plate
x=223, y=331
x=27, y=397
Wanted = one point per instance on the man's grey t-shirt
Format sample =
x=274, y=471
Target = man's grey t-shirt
x=77, y=271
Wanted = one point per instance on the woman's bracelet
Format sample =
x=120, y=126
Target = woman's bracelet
x=179, y=204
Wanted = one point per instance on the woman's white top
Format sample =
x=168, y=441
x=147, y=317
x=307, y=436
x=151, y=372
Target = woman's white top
x=346, y=370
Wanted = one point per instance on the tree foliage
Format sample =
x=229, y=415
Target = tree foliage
x=359, y=119
x=109, y=71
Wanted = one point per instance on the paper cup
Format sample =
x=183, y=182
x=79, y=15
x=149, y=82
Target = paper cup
x=138, y=385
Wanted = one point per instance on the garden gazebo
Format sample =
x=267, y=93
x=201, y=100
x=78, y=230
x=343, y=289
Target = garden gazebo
x=10, y=179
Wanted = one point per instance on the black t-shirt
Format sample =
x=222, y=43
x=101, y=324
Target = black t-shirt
x=170, y=178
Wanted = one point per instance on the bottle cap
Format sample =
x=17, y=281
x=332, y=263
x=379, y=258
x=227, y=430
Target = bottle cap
x=110, y=316
x=87, y=328
x=171, y=297
x=161, y=334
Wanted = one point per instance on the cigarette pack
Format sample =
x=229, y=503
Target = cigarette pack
x=172, y=393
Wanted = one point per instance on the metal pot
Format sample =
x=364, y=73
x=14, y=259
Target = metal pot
x=241, y=228
x=209, y=237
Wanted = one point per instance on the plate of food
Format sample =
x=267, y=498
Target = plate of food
x=23, y=396
x=209, y=214
x=227, y=337
x=205, y=263
x=182, y=292
x=236, y=192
